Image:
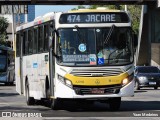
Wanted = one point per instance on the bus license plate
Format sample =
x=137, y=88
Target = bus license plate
x=152, y=83
x=97, y=91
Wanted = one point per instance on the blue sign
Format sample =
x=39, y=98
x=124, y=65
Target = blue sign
x=100, y=61
x=82, y=47
x=93, y=59
x=35, y=65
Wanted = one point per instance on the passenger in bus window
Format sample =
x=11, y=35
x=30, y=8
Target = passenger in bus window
x=121, y=41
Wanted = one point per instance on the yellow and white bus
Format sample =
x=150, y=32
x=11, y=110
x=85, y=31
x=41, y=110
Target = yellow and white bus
x=82, y=55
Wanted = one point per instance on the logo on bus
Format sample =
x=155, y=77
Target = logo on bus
x=82, y=47
x=97, y=82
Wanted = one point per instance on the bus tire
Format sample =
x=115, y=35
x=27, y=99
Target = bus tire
x=8, y=81
x=47, y=90
x=13, y=79
x=155, y=87
x=11, y=83
x=29, y=100
x=114, y=103
x=6, y=84
x=54, y=104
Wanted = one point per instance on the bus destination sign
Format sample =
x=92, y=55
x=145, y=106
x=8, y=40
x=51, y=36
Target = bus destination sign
x=71, y=18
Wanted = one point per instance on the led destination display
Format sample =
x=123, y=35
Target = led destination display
x=72, y=18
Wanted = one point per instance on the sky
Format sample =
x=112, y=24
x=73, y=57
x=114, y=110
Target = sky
x=40, y=10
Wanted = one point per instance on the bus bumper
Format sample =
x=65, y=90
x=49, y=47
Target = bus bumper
x=63, y=91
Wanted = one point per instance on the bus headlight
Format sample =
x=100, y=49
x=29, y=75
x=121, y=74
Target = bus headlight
x=65, y=81
x=68, y=83
x=125, y=81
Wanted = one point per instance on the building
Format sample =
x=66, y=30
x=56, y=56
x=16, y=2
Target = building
x=22, y=18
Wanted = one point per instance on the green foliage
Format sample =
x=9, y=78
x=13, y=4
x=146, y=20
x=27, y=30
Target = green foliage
x=79, y=7
x=135, y=12
x=3, y=30
x=117, y=7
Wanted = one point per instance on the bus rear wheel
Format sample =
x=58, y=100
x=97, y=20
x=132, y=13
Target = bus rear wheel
x=156, y=88
x=29, y=100
x=114, y=103
x=55, y=104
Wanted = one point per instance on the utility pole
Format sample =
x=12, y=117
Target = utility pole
x=13, y=26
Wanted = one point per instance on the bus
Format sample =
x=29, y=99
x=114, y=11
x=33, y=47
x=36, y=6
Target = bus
x=83, y=55
x=7, y=69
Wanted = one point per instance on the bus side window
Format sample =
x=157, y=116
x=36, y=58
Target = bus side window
x=18, y=45
x=46, y=37
x=40, y=39
x=35, y=41
x=25, y=43
x=30, y=41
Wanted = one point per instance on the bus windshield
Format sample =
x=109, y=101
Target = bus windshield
x=95, y=46
x=3, y=62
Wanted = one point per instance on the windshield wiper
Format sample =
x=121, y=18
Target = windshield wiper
x=109, y=34
x=79, y=33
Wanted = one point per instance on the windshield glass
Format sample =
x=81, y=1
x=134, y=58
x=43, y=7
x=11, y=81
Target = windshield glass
x=148, y=70
x=95, y=46
x=2, y=62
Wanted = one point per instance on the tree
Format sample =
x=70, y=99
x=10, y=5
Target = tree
x=135, y=12
x=79, y=7
x=3, y=30
x=119, y=7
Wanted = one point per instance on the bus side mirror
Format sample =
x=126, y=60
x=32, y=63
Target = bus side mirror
x=50, y=41
x=51, y=45
x=135, y=40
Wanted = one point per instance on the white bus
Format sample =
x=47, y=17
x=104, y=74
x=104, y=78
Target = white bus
x=81, y=55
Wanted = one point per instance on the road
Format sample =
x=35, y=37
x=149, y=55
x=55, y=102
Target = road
x=146, y=103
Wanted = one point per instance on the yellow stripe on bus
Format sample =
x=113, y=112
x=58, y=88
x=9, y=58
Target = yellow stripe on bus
x=98, y=81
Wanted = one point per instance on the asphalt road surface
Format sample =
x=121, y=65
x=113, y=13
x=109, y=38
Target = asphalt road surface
x=145, y=103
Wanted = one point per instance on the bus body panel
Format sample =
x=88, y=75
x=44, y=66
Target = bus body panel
x=36, y=71
x=17, y=75
x=69, y=93
x=63, y=91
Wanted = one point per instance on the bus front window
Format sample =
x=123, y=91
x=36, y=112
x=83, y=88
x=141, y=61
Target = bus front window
x=95, y=46
x=114, y=47
x=72, y=49
x=3, y=62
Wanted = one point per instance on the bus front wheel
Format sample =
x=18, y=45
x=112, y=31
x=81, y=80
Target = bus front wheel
x=114, y=103
x=29, y=100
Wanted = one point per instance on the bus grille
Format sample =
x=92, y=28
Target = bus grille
x=96, y=72
x=114, y=89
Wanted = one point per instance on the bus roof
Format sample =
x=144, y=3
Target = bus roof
x=94, y=10
x=50, y=16
x=38, y=20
